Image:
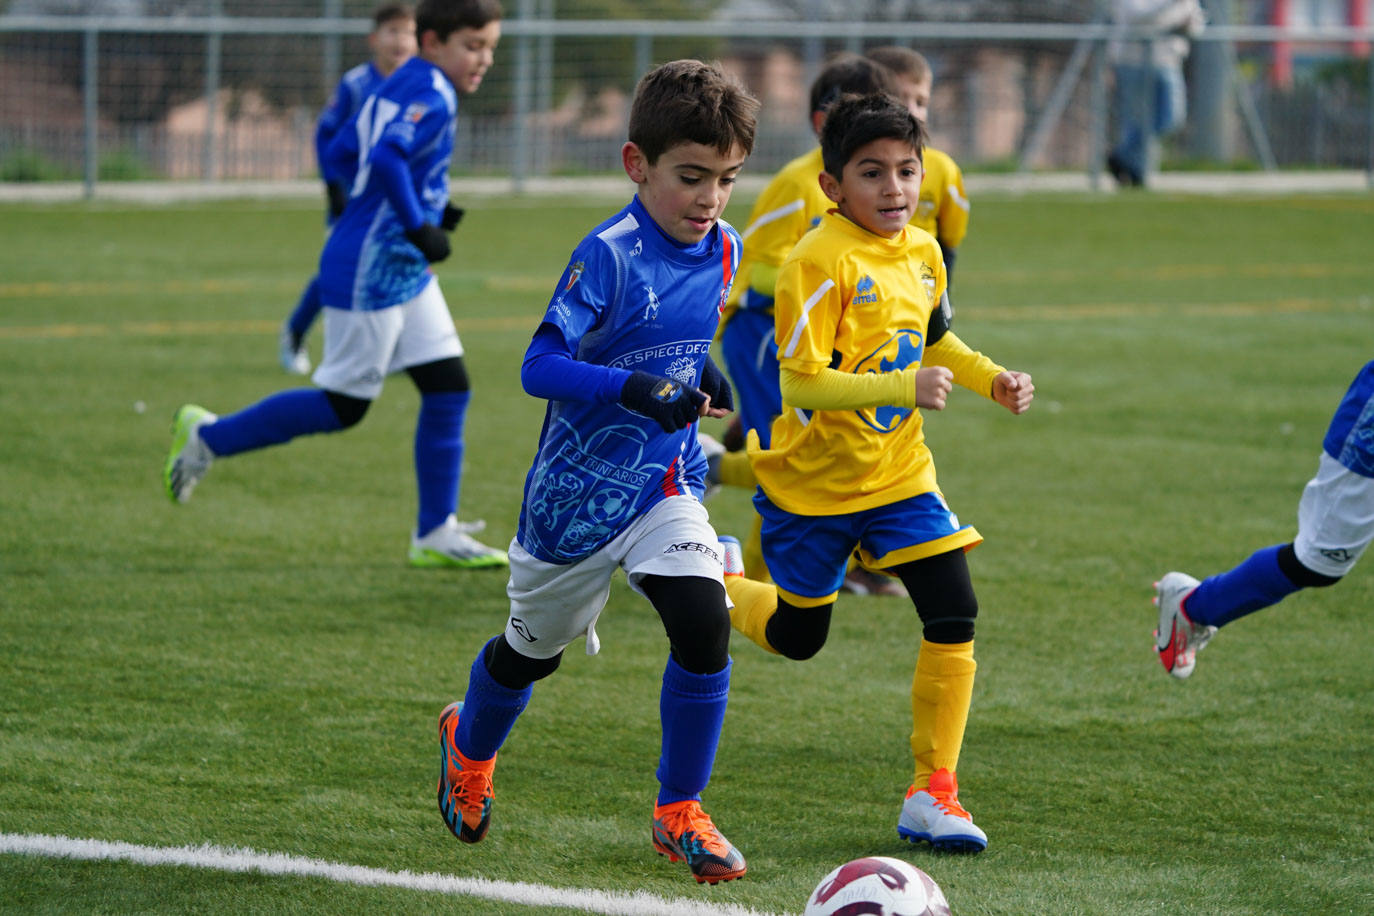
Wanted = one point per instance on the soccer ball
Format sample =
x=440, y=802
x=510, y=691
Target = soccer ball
x=879, y=886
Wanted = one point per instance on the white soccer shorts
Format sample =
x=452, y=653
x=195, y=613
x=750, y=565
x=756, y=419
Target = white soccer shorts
x=551, y=604
x=1335, y=518
x=362, y=347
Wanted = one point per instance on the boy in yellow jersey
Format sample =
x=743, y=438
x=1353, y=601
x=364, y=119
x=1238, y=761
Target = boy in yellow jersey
x=943, y=208
x=790, y=205
x=848, y=466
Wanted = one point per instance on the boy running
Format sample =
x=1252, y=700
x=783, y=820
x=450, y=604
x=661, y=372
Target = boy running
x=861, y=347
x=383, y=309
x=392, y=42
x=622, y=357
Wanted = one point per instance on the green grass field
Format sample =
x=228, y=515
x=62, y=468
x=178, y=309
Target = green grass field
x=259, y=668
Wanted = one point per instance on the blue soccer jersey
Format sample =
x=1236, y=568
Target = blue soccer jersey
x=357, y=84
x=630, y=299
x=404, y=138
x=1350, y=438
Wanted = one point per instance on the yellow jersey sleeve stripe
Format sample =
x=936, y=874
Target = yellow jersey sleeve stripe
x=807, y=306
x=772, y=216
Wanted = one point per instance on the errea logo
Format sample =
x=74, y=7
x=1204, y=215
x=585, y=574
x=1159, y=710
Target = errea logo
x=864, y=291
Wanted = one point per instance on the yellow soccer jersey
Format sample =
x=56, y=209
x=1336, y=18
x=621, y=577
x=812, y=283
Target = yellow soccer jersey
x=789, y=206
x=943, y=208
x=857, y=302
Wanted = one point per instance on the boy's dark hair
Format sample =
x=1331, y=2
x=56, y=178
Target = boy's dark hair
x=390, y=12
x=857, y=120
x=687, y=101
x=901, y=61
x=444, y=17
x=849, y=74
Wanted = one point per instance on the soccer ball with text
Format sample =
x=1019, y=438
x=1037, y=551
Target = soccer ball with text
x=877, y=886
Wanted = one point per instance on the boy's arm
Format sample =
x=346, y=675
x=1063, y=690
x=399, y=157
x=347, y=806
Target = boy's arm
x=816, y=387
x=550, y=371
x=390, y=163
x=778, y=221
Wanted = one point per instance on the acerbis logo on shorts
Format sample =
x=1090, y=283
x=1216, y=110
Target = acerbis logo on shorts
x=523, y=629
x=694, y=547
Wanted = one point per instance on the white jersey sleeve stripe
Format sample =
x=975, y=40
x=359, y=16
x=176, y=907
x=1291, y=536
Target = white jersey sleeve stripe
x=807, y=306
x=773, y=215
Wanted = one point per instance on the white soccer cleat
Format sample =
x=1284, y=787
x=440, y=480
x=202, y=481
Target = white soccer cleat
x=1177, y=639
x=294, y=359
x=712, y=448
x=189, y=457
x=933, y=814
x=451, y=544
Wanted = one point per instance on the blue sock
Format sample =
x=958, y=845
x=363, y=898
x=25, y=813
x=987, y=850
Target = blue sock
x=439, y=456
x=489, y=712
x=306, y=310
x=1255, y=584
x=276, y=419
x=692, y=708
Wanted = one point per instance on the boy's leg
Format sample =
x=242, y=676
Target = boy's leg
x=428, y=348
x=198, y=436
x=550, y=606
x=677, y=563
x=470, y=734
x=941, y=692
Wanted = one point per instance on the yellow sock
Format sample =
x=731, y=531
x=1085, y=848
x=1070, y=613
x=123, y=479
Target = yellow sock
x=941, y=692
x=754, y=566
x=736, y=471
x=755, y=603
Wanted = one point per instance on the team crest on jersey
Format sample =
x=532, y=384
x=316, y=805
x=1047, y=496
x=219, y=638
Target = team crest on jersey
x=683, y=370
x=574, y=274
x=899, y=351
x=928, y=280
x=414, y=112
x=651, y=310
x=864, y=291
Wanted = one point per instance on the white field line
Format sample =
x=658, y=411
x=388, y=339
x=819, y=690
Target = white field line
x=219, y=858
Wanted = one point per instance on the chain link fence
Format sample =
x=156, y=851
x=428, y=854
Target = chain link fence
x=215, y=89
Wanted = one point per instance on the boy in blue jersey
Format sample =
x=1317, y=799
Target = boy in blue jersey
x=623, y=358
x=848, y=471
x=392, y=41
x=1335, y=526
x=382, y=306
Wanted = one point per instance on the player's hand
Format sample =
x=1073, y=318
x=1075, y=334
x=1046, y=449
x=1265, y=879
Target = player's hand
x=933, y=384
x=1013, y=390
x=431, y=241
x=451, y=218
x=716, y=387
x=338, y=199
x=673, y=405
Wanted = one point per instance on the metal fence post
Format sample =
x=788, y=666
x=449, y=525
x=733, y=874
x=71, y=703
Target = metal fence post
x=90, y=62
x=333, y=45
x=214, y=42
x=520, y=160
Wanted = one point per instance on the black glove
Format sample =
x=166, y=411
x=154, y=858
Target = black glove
x=671, y=403
x=451, y=218
x=431, y=241
x=338, y=198
x=715, y=386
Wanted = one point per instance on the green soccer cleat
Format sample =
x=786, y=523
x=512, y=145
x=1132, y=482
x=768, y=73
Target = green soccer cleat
x=189, y=458
x=452, y=545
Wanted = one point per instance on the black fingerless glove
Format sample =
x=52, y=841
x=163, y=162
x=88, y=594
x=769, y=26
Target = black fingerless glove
x=431, y=241
x=669, y=402
x=451, y=218
x=716, y=386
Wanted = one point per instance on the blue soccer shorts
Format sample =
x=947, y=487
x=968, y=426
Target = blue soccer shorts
x=807, y=554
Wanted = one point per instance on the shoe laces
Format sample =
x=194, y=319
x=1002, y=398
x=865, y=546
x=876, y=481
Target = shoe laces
x=945, y=791
x=688, y=819
x=473, y=527
x=471, y=789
